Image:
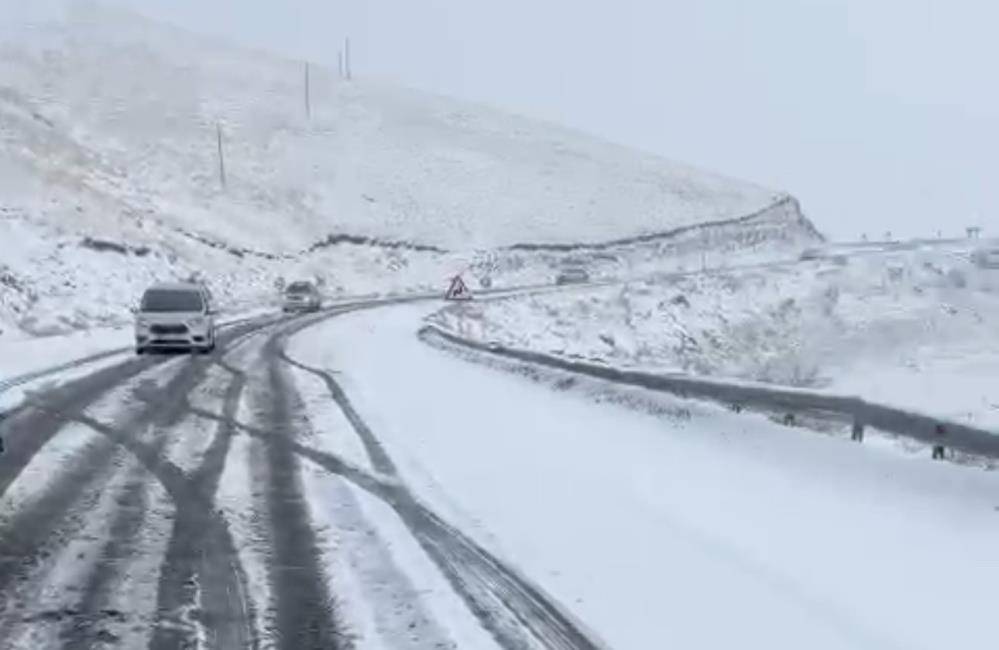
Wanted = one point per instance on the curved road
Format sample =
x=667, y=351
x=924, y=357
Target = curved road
x=110, y=529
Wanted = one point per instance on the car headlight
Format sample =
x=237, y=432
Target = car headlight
x=197, y=322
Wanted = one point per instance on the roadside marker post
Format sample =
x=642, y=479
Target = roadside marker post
x=938, y=449
x=857, y=434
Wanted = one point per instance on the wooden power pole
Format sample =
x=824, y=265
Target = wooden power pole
x=218, y=131
x=346, y=58
x=308, y=100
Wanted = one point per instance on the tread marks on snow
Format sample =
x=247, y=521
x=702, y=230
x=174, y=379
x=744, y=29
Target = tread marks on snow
x=50, y=520
x=306, y=615
x=515, y=612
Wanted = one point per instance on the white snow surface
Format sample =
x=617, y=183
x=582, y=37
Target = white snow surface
x=135, y=104
x=913, y=328
x=388, y=591
x=239, y=501
x=337, y=437
x=717, y=530
x=109, y=176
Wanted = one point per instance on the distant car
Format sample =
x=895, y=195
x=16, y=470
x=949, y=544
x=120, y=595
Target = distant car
x=301, y=296
x=572, y=275
x=987, y=258
x=175, y=316
x=811, y=254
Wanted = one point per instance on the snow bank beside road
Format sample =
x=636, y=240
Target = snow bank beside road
x=653, y=529
x=914, y=329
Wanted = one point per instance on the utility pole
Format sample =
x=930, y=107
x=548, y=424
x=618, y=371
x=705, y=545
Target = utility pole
x=704, y=251
x=346, y=58
x=339, y=62
x=218, y=130
x=308, y=102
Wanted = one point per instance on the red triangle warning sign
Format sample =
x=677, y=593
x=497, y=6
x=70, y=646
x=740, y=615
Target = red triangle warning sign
x=458, y=290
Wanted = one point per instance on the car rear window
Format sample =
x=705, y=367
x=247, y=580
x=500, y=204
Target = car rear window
x=165, y=300
x=300, y=287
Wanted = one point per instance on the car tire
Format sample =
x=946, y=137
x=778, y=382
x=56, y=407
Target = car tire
x=140, y=351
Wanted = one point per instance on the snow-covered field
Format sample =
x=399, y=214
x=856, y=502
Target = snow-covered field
x=109, y=179
x=913, y=328
x=701, y=530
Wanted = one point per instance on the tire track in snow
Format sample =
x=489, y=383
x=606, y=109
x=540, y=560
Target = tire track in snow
x=380, y=459
x=177, y=591
x=42, y=529
x=33, y=425
x=87, y=625
x=516, y=612
x=50, y=525
x=30, y=534
x=151, y=424
x=195, y=513
x=306, y=615
x=190, y=576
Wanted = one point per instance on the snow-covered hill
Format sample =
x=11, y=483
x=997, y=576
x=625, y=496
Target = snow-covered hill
x=916, y=328
x=143, y=101
x=108, y=132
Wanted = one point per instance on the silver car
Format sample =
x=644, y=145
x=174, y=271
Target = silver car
x=175, y=316
x=572, y=275
x=986, y=258
x=301, y=296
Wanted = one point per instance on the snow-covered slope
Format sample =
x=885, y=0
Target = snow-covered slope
x=915, y=328
x=144, y=100
x=108, y=132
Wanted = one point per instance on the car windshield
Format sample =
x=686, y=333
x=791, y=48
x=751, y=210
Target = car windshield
x=172, y=300
x=503, y=324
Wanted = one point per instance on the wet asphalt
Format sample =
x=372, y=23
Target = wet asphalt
x=199, y=597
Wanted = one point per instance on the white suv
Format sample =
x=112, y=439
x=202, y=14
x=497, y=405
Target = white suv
x=175, y=316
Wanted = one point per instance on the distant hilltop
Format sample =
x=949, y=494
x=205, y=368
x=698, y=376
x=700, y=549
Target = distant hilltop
x=122, y=108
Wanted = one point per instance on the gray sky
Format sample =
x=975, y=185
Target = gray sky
x=878, y=114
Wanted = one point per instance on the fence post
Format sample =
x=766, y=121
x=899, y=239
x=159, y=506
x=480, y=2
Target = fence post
x=857, y=434
x=938, y=448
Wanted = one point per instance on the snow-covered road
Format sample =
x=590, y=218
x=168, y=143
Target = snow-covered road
x=660, y=530
x=332, y=481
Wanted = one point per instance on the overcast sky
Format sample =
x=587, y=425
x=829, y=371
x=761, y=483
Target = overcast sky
x=878, y=114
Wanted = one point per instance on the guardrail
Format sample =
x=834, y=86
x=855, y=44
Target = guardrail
x=855, y=410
